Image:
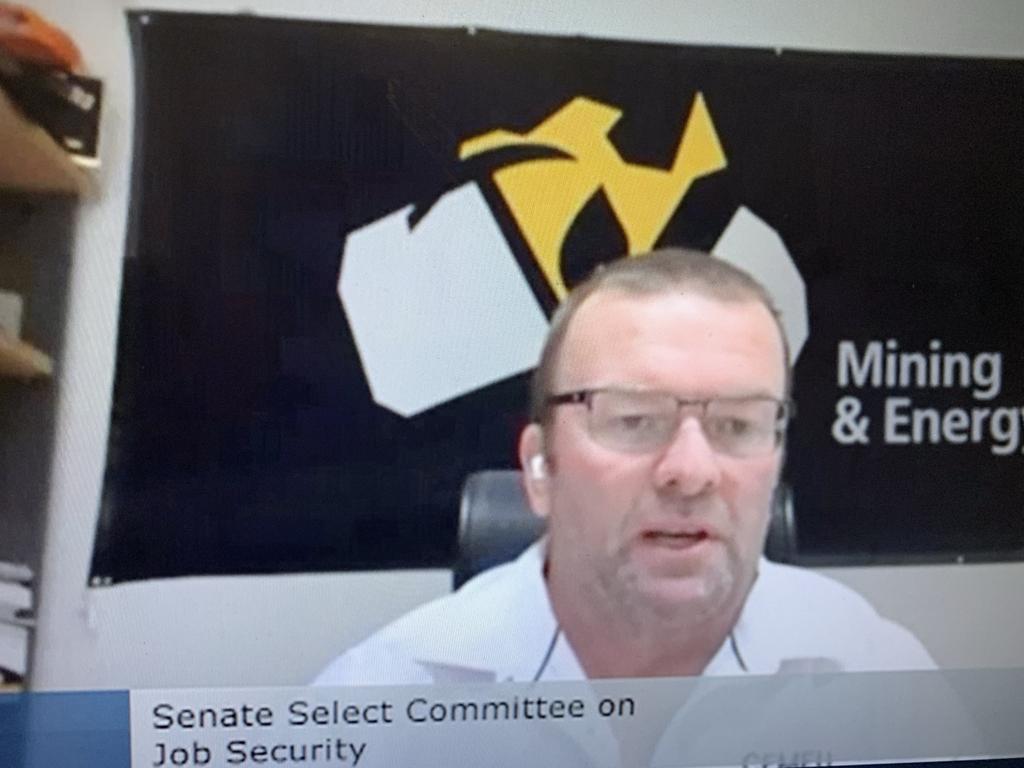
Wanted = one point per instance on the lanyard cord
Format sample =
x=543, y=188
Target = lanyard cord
x=547, y=656
x=736, y=652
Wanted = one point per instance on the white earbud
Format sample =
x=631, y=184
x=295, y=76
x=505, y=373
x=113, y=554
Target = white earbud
x=537, y=467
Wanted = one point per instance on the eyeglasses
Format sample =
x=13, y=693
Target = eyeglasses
x=641, y=421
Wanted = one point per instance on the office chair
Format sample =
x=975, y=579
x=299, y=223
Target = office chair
x=496, y=524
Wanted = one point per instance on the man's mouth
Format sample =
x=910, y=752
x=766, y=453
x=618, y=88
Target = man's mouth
x=675, y=539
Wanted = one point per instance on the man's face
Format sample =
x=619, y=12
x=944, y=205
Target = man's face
x=676, y=532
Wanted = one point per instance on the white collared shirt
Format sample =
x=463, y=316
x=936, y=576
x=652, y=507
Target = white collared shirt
x=499, y=627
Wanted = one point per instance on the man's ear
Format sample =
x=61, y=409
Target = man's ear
x=535, y=469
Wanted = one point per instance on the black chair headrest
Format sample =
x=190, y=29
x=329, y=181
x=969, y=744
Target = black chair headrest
x=495, y=522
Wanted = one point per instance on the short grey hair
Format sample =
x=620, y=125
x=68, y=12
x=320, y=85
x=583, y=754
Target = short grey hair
x=666, y=270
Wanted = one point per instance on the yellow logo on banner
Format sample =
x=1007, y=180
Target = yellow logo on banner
x=545, y=196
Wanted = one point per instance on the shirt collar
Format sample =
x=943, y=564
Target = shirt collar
x=520, y=646
x=508, y=627
x=757, y=632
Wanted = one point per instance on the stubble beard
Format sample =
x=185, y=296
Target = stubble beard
x=648, y=599
x=678, y=602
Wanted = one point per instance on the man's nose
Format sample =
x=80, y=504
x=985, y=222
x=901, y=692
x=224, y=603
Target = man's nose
x=688, y=465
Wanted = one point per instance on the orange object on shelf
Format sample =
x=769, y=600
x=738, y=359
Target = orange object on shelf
x=26, y=35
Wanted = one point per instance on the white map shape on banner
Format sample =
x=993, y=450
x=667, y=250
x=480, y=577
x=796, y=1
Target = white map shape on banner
x=440, y=310
x=753, y=246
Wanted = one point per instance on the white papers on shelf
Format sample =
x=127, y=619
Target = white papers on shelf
x=15, y=616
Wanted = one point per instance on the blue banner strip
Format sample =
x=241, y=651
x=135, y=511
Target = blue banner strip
x=70, y=730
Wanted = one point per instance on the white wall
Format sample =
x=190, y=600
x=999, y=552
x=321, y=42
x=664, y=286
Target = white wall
x=237, y=631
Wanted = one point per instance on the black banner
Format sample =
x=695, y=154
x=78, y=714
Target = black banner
x=346, y=241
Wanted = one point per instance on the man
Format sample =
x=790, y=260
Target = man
x=659, y=411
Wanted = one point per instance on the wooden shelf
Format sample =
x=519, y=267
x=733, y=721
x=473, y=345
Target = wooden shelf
x=21, y=360
x=31, y=161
